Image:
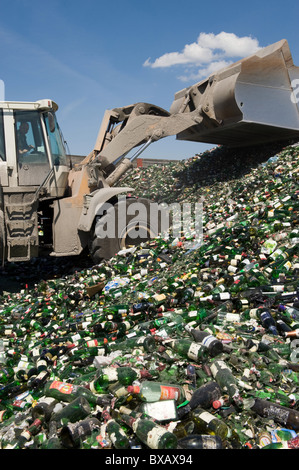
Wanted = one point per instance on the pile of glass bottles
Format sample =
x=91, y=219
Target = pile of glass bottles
x=175, y=344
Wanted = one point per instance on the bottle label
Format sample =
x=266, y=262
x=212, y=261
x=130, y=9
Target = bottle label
x=192, y=313
x=232, y=317
x=224, y=296
x=208, y=340
x=111, y=373
x=62, y=387
x=161, y=410
x=127, y=325
x=23, y=364
x=92, y=343
x=42, y=374
x=287, y=265
x=193, y=351
x=264, y=439
x=132, y=334
x=278, y=288
x=216, y=366
x=253, y=313
x=75, y=338
x=232, y=269
x=169, y=393
x=26, y=434
x=206, y=417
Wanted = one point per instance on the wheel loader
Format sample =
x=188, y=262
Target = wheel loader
x=47, y=204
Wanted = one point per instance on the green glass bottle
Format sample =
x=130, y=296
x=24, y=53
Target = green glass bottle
x=124, y=375
x=6, y=413
x=63, y=391
x=151, y=434
x=214, y=345
x=53, y=441
x=152, y=324
x=72, y=434
x=122, y=309
x=200, y=441
x=6, y=374
x=74, y=411
x=186, y=348
x=147, y=343
x=117, y=435
x=43, y=408
x=226, y=380
x=207, y=423
x=12, y=389
x=25, y=438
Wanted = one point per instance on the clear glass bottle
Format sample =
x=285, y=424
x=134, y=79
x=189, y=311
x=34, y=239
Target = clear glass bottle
x=155, y=391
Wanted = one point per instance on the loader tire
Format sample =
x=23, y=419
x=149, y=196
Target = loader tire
x=106, y=247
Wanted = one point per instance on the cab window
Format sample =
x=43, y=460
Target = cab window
x=55, y=140
x=30, y=142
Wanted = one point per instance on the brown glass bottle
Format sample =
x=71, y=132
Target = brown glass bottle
x=287, y=417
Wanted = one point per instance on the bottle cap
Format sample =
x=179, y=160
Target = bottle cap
x=217, y=404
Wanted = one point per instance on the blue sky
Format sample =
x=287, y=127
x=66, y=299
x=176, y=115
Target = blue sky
x=90, y=55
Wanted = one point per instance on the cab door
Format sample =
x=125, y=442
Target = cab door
x=32, y=156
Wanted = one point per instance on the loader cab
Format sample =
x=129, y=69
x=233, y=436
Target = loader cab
x=33, y=176
x=32, y=152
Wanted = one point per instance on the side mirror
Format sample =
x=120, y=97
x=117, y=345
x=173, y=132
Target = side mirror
x=51, y=122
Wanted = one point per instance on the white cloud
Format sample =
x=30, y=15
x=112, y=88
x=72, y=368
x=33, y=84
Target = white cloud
x=205, y=71
x=210, y=52
x=230, y=44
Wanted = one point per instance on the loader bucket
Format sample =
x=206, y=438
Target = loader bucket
x=250, y=102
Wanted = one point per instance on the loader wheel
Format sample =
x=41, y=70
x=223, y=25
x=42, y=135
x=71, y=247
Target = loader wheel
x=132, y=225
